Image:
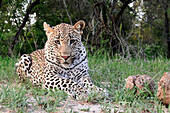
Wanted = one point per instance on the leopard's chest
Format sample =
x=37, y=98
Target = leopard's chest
x=75, y=74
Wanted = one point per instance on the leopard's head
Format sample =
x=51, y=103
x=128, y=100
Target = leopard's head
x=64, y=46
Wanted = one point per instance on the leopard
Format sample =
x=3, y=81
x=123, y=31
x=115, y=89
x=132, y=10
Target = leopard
x=62, y=63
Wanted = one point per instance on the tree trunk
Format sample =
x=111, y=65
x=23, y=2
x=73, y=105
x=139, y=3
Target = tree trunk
x=166, y=35
x=65, y=5
x=0, y=3
x=28, y=11
x=122, y=9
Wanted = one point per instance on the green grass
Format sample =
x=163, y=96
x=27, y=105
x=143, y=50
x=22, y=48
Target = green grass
x=14, y=98
x=7, y=69
x=114, y=71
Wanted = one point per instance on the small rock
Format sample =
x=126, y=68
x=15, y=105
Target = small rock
x=164, y=88
x=141, y=82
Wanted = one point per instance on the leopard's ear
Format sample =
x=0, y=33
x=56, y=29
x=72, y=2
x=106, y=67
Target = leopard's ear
x=48, y=29
x=79, y=26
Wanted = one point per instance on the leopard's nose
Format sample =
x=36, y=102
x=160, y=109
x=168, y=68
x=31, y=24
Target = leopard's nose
x=65, y=57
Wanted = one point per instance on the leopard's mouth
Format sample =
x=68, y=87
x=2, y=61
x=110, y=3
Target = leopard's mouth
x=66, y=63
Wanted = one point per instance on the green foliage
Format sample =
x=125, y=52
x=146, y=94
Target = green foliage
x=102, y=29
x=5, y=39
x=154, y=50
x=31, y=39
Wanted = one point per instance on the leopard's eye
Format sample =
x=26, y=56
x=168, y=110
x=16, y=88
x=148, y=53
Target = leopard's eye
x=57, y=42
x=72, y=41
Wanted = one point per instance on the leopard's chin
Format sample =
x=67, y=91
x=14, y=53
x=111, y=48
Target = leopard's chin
x=66, y=65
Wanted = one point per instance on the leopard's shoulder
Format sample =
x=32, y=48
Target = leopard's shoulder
x=38, y=56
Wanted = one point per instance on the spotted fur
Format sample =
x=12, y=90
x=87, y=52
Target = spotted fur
x=61, y=64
